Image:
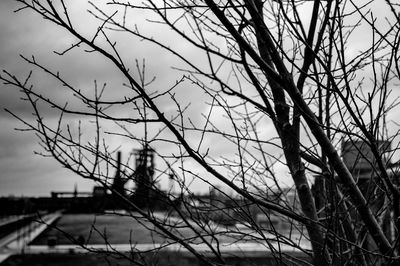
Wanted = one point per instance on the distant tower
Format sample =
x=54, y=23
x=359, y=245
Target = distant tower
x=359, y=159
x=143, y=176
x=75, y=190
x=361, y=162
x=118, y=185
x=171, y=183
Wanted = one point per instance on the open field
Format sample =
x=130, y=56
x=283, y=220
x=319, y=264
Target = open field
x=123, y=233
x=94, y=229
x=115, y=229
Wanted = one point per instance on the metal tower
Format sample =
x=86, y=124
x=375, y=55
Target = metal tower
x=118, y=185
x=143, y=176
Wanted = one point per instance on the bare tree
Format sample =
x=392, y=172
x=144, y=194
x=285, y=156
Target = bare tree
x=322, y=74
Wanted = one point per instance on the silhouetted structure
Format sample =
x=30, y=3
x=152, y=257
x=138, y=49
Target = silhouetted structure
x=360, y=160
x=143, y=176
x=100, y=199
x=118, y=186
x=69, y=194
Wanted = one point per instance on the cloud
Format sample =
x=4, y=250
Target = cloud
x=26, y=33
x=23, y=173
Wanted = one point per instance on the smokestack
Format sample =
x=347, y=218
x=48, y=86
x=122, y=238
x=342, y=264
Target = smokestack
x=118, y=163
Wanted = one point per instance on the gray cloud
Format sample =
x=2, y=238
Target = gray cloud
x=22, y=173
x=26, y=33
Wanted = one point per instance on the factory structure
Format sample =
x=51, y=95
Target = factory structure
x=115, y=196
x=145, y=194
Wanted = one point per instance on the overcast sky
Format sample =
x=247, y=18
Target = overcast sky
x=22, y=172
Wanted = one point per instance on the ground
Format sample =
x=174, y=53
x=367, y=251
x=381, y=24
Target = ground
x=117, y=229
x=94, y=229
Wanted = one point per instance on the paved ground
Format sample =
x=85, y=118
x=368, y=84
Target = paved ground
x=116, y=229
x=16, y=241
x=123, y=233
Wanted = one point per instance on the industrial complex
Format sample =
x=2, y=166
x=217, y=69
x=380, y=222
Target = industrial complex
x=74, y=222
